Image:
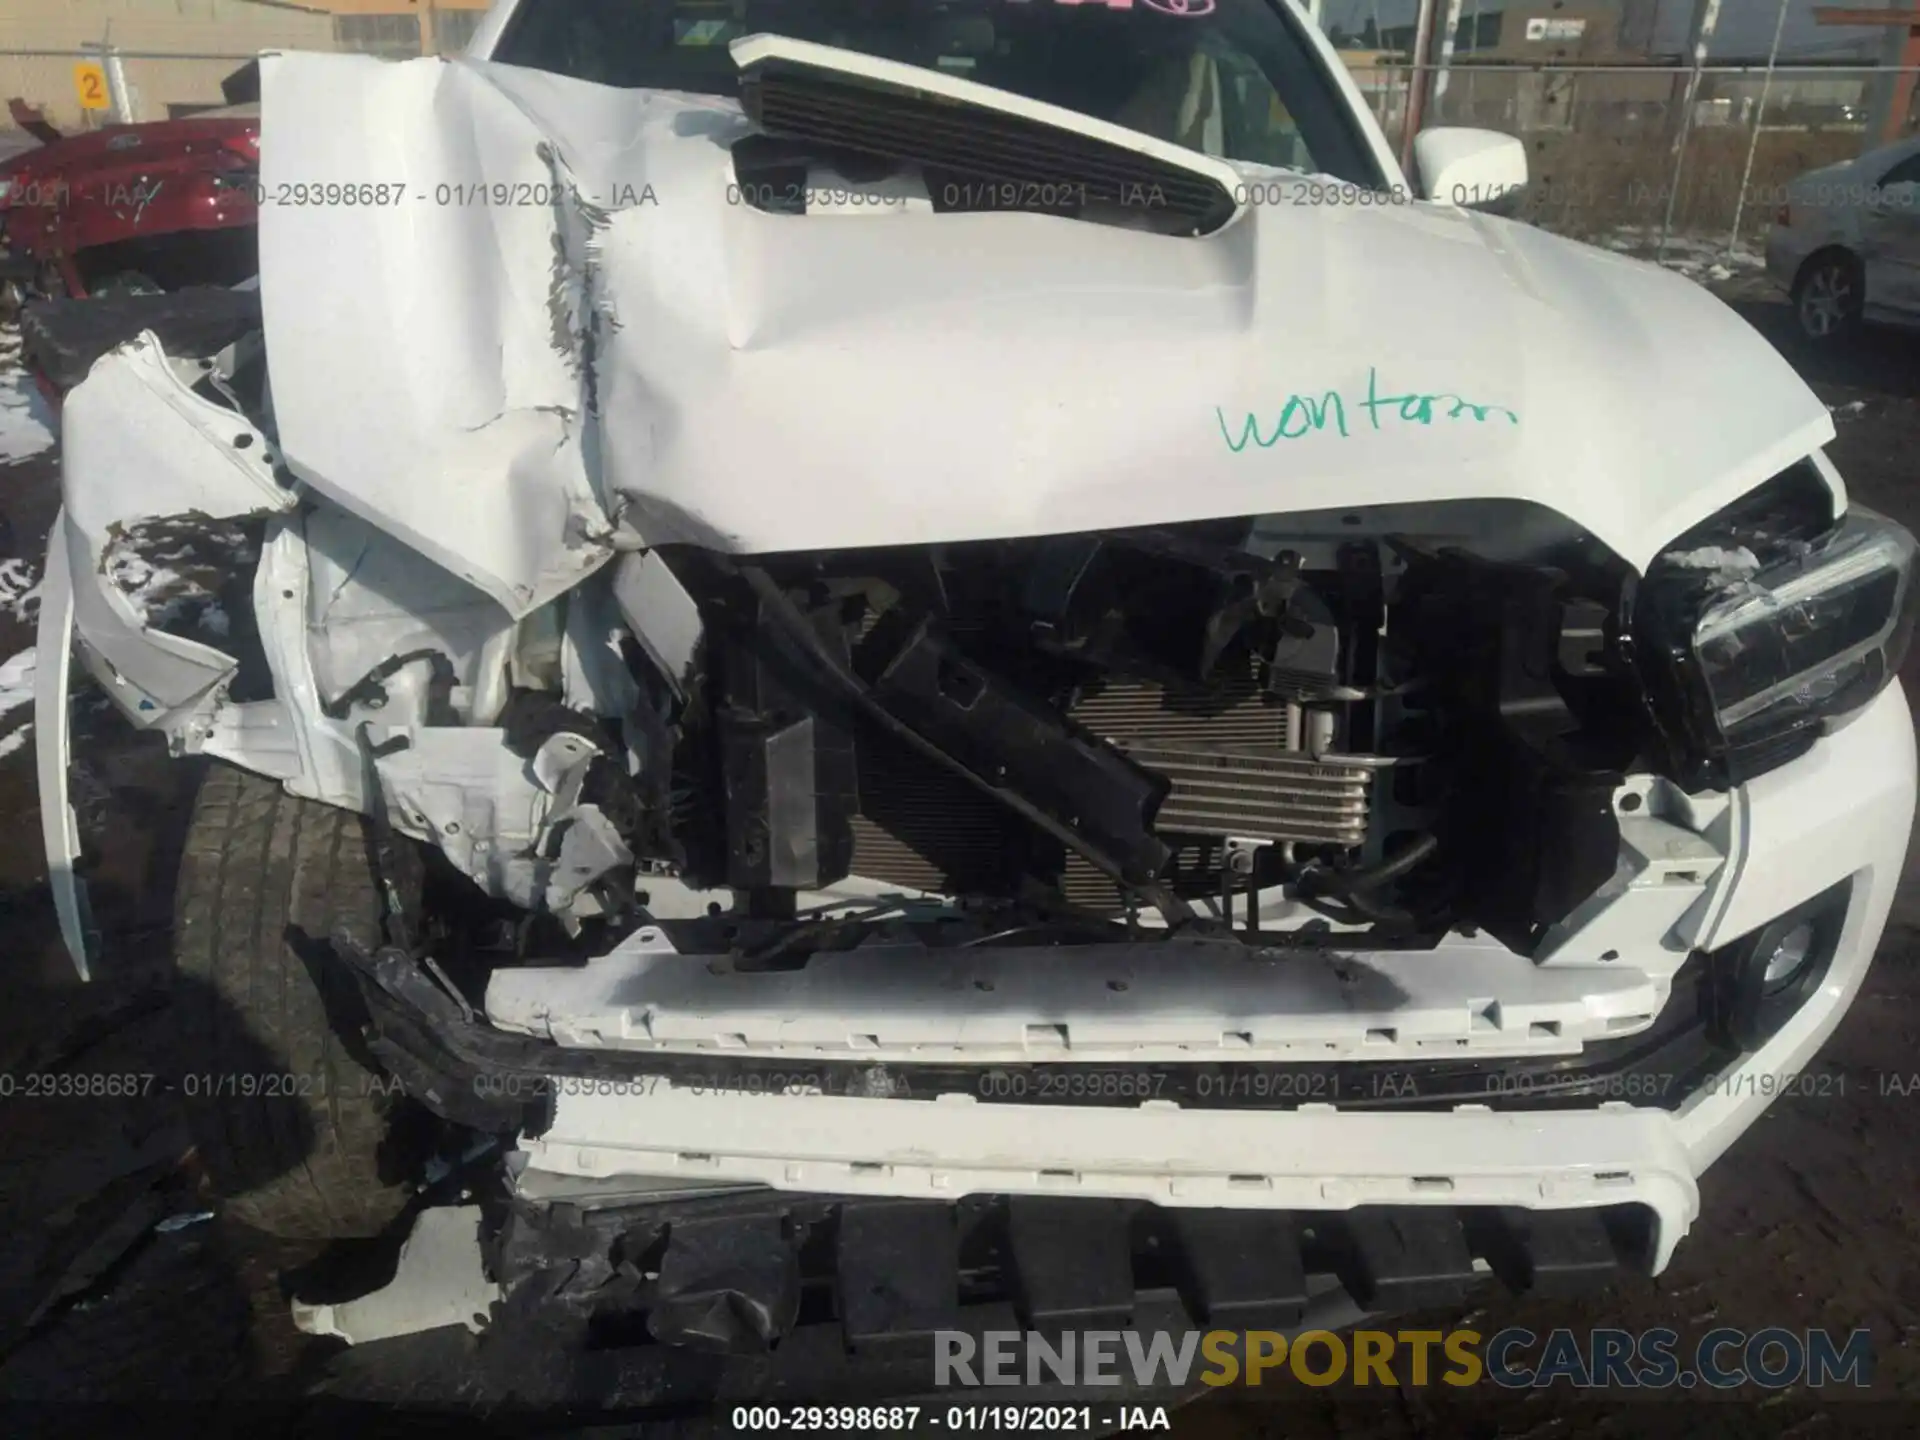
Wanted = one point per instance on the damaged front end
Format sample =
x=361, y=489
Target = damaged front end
x=1341, y=838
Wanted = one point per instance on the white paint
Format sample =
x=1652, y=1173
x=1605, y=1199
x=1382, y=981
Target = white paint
x=138, y=444
x=925, y=378
x=59, y=826
x=1313, y=1158
x=1163, y=1001
x=1467, y=167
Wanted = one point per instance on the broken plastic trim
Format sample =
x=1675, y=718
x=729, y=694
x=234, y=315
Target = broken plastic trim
x=1753, y=645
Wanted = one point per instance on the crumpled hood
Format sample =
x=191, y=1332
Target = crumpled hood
x=560, y=317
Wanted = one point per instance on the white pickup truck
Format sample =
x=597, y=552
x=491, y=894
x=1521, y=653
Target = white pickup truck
x=900, y=658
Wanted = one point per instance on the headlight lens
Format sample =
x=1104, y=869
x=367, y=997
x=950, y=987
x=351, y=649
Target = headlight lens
x=1750, y=650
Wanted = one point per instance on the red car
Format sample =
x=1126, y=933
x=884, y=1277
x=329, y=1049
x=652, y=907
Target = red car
x=132, y=207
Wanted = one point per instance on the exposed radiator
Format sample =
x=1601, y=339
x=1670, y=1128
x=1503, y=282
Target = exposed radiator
x=1228, y=752
x=1142, y=712
x=1258, y=794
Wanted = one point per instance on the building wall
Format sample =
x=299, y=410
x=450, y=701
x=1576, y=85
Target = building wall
x=212, y=39
x=1522, y=26
x=215, y=37
x=388, y=26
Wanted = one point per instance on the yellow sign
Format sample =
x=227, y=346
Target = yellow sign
x=90, y=84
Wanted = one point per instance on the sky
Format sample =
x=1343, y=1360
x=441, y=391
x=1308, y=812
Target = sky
x=1745, y=32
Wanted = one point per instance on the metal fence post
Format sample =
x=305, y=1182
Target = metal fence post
x=1753, y=143
x=118, y=94
x=1446, y=48
x=1706, y=18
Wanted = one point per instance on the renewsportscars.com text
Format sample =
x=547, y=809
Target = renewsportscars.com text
x=1720, y=1359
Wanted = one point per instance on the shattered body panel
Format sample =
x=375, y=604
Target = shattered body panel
x=880, y=677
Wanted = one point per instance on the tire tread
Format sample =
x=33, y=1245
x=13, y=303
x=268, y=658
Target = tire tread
x=257, y=863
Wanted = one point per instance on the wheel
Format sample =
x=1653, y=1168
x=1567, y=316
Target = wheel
x=1829, y=296
x=299, y=1133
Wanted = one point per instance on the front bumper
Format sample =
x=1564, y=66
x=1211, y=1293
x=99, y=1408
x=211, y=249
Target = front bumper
x=615, y=1107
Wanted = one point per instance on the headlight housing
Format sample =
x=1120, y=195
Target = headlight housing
x=1754, y=638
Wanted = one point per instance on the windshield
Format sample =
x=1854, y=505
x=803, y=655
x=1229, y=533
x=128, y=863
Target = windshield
x=1229, y=78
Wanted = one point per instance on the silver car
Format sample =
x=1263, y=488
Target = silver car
x=1847, y=242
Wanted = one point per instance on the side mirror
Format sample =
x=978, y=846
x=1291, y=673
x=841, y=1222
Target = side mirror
x=1475, y=169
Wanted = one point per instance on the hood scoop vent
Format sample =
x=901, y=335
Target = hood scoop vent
x=978, y=148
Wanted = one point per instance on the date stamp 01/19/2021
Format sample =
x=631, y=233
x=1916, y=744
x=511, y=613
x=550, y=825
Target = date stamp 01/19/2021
x=1040, y=1083
x=1055, y=1083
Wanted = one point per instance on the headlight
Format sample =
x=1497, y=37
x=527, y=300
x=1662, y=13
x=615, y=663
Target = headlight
x=1753, y=641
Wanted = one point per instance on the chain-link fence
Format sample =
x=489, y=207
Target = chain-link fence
x=1629, y=152
x=95, y=85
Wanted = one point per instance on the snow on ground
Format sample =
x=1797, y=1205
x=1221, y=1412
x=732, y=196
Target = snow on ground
x=16, y=690
x=26, y=423
x=19, y=589
x=1698, y=257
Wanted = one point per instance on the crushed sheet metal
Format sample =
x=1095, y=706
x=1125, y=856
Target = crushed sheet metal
x=1014, y=374
x=139, y=445
x=467, y=434
x=441, y=1280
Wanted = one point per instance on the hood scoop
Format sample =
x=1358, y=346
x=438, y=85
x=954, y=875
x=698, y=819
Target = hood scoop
x=976, y=147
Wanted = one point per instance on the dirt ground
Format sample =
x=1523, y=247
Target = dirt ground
x=1813, y=1219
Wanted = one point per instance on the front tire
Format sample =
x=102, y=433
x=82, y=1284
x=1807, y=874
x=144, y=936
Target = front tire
x=295, y=1129
x=1829, y=297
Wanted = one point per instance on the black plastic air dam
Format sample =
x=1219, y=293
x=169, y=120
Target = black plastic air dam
x=759, y=1296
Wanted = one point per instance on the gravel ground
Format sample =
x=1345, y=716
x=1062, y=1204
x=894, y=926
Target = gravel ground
x=1813, y=1219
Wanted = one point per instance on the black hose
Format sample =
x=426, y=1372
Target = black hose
x=1348, y=883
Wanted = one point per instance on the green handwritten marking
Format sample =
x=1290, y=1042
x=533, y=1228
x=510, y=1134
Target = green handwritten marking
x=1315, y=414
x=1419, y=408
x=1303, y=415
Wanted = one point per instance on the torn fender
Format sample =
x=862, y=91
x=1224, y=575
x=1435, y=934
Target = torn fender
x=138, y=445
x=456, y=421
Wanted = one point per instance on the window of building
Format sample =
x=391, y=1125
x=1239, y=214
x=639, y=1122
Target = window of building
x=452, y=29
x=393, y=37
